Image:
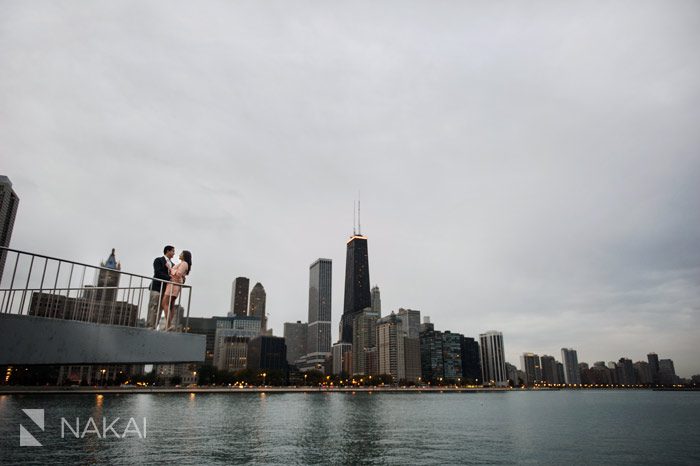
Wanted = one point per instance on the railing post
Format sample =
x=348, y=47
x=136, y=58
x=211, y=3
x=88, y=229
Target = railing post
x=138, y=309
x=65, y=309
x=189, y=301
x=12, y=283
x=26, y=286
x=55, y=284
x=79, y=299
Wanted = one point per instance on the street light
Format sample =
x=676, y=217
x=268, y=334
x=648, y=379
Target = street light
x=264, y=374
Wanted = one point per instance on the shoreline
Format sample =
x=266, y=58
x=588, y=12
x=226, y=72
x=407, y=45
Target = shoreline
x=237, y=390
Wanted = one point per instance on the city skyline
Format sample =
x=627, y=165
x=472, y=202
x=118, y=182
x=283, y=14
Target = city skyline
x=313, y=298
x=506, y=185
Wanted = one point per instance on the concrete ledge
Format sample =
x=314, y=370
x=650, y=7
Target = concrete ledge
x=28, y=340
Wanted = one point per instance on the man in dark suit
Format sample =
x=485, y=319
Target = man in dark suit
x=161, y=270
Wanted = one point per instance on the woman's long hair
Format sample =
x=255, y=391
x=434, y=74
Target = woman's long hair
x=187, y=257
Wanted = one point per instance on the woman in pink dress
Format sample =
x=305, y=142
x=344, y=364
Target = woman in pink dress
x=172, y=291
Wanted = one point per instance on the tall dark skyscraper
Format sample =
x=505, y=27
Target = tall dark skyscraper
x=8, y=210
x=256, y=304
x=239, y=297
x=653, y=359
x=319, y=329
x=358, y=295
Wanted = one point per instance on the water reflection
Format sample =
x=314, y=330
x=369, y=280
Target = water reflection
x=364, y=428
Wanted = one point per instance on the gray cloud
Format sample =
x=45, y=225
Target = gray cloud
x=529, y=168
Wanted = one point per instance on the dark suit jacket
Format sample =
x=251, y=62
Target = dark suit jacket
x=160, y=270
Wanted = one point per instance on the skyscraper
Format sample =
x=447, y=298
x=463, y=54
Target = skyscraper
x=530, y=365
x=319, y=333
x=493, y=363
x=471, y=363
x=390, y=347
x=512, y=373
x=549, y=369
x=231, y=353
x=267, y=353
x=342, y=358
x=364, y=343
x=653, y=359
x=239, y=297
x=667, y=372
x=641, y=371
x=431, y=352
x=256, y=304
x=357, y=290
x=560, y=372
x=572, y=375
x=108, y=280
x=452, y=355
x=376, y=300
x=295, y=335
x=8, y=211
x=410, y=329
x=626, y=375
x=410, y=322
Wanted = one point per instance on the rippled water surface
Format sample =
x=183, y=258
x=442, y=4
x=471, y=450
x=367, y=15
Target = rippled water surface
x=586, y=427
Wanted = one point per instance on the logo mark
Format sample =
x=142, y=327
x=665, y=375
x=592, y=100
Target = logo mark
x=25, y=438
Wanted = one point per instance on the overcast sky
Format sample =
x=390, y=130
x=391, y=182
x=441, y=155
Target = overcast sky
x=529, y=167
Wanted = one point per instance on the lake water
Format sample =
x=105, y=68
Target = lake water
x=558, y=427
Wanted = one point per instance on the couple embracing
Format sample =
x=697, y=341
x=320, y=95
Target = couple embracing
x=165, y=289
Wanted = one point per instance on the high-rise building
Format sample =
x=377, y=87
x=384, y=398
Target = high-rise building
x=295, y=335
x=390, y=347
x=267, y=353
x=256, y=304
x=376, y=300
x=9, y=201
x=642, y=373
x=471, y=362
x=614, y=372
x=512, y=373
x=319, y=332
x=549, y=369
x=625, y=370
x=452, y=356
x=232, y=354
x=357, y=288
x=493, y=362
x=410, y=322
x=410, y=331
x=559, y=370
x=412, y=359
x=585, y=373
x=530, y=364
x=364, y=343
x=572, y=374
x=108, y=280
x=239, y=297
x=431, y=350
x=237, y=326
x=653, y=359
x=667, y=372
x=600, y=374
x=342, y=358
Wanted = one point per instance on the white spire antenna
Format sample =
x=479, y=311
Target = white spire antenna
x=354, y=220
x=359, y=222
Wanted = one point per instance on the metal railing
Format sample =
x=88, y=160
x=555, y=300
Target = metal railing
x=38, y=285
